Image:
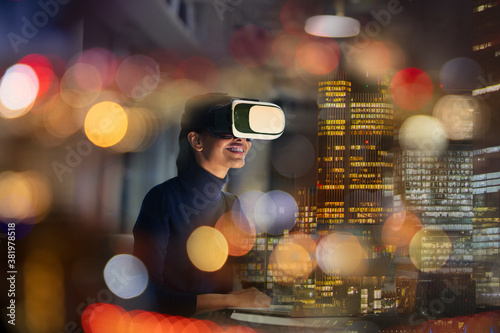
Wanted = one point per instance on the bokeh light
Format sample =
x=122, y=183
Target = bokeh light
x=294, y=156
x=19, y=89
x=370, y=57
x=341, y=254
x=294, y=13
x=103, y=318
x=24, y=196
x=423, y=133
x=275, y=212
x=460, y=75
x=61, y=120
x=138, y=75
x=248, y=202
x=199, y=326
x=106, y=124
x=43, y=70
x=398, y=57
x=293, y=258
x=103, y=60
x=109, y=318
x=126, y=276
x=251, y=46
x=239, y=232
x=141, y=131
x=284, y=46
x=411, y=89
x=318, y=55
x=15, y=197
x=399, y=229
x=207, y=249
x=179, y=325
x=289, y=261
x=81, y=84
x=140, y=320
x=200, y=70
x=461, y=116
x=430, y=249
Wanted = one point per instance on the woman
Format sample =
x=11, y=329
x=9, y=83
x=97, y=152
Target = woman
x=172, y=210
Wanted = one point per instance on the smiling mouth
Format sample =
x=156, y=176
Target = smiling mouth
x=236, y=150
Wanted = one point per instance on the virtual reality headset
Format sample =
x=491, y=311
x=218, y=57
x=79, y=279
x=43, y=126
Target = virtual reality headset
x=242, y=118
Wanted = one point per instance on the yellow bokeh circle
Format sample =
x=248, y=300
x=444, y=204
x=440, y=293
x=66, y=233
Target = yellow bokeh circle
x=207, y=249
x=430, y=249
x=24, y=195
x=291, y=261
x=106, y=124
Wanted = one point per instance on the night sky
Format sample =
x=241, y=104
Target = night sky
x=432, y=32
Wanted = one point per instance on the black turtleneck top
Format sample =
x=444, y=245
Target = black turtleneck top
x=170, y=212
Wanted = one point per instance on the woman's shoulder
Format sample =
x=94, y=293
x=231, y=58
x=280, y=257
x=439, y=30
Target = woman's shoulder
x=163, y=190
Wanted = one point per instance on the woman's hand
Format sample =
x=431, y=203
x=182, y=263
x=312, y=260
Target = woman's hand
x=249, y=298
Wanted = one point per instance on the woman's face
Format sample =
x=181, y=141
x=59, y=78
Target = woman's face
x=218, y=155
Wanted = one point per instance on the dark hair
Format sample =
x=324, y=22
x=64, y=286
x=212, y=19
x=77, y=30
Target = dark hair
x=195, y=111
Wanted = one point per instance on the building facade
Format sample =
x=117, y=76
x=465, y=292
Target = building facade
x=354, y=189
x=355, y=137
x=437, y=187
x=486, y=221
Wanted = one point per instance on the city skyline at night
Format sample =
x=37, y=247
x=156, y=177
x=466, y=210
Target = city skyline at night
x=377, y=209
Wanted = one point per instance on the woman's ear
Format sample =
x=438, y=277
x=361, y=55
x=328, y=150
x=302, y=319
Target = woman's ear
x=195, y=141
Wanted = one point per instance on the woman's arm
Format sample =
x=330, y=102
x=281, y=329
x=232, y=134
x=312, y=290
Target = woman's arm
x=250, y=297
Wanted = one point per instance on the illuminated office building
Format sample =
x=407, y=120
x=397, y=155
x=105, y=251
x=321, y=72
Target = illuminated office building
x=437, y=187
x=486, y=181
x=306, y=202
x=355, y=135
x=354, y=187
x=485, y=43
x=486, y=222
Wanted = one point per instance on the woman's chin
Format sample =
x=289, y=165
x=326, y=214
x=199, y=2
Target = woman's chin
x=238, y=165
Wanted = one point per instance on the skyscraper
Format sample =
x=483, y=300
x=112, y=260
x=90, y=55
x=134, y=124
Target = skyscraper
x=486, y=46
x=437, y=187
x=486, y=181
x=354, y=187
x=355, y=135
